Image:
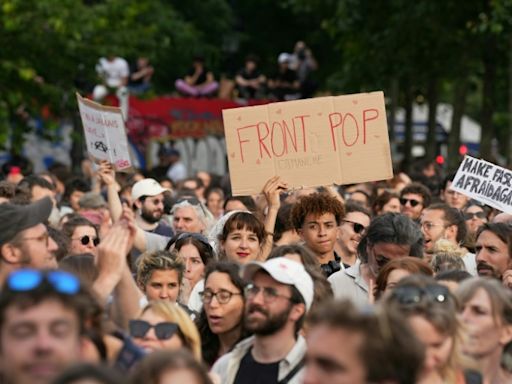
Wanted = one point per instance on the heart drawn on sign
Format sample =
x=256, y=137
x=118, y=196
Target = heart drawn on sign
x=354, y=102
x=278, y=111
x=349, y=153
x=258, y=161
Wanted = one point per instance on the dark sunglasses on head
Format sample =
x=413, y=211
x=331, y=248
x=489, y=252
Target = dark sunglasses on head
x=412, y=202
x=186, y=235
x=358, y=228
x=408, y=295
x=192, y=201
x=24, y=280
x=163, y=331
x=87, y=239
x=469, y=216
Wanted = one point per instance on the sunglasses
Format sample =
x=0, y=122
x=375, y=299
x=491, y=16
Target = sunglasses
x=87, y=239
x=469, y=216
x=192, y=201
x=187, y=235
x=408, y=295
x=412, y=202
x=163, y=331
x=25, y=280
x=358, y=228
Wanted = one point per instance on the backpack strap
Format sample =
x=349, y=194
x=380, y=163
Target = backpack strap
x=293, y=372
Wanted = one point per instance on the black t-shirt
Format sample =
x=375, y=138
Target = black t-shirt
x=252, y=372
x=202, y=76
x=249, y=75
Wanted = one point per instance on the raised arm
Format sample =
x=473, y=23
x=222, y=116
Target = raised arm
x=271, y=190
x=107, y=176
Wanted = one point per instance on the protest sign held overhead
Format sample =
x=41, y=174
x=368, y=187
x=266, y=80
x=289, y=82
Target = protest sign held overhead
x=309, y=143
x=105, y=133
x=486, y=182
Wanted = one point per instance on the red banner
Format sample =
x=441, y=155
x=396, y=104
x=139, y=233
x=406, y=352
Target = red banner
x=176, y=118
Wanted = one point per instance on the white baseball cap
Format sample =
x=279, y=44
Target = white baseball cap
x=285, y=271
x=146, y=187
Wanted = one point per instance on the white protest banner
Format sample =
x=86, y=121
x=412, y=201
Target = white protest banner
x=105, y=133
x=309, y=143
x=486, y=182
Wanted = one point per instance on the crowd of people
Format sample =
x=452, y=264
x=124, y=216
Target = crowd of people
x=292, y=78
x=140, y=277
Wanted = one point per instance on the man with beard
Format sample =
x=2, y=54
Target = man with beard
x=388, y=237
x=440, y=221
x=278, y=296
x=148, y=198
x=492, y=251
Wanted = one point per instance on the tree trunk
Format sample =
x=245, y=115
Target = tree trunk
x=77, y=143
x=488, y=102
x=394, y=94
x=433, y=97
x=459, y=106
x=408, y=129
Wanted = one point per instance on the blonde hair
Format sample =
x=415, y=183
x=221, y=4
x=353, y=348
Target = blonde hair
x=157, y=260
x=188, y=332
x=447, y=256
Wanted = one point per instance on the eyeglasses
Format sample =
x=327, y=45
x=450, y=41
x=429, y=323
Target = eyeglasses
x=223, y=296
x=358, y=228
x=412, y=202
x=85, y=240
x=24, y=280
x=408, y=295
x=45, y=237
x=155, y=201
x=427, y=225
x=269, y=293
x=163, y=331
x=469, y=216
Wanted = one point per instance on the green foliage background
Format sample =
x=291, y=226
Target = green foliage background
x=433, y=51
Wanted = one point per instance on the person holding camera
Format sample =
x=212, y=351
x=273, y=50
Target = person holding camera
x=316, y=219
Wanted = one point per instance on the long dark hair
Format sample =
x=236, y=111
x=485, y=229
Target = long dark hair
x=210, y=343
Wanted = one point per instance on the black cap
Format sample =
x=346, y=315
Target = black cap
x=16, y=218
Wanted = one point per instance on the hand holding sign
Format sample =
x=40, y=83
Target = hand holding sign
x=105, y=133
x=272, y=190
x=309, y=142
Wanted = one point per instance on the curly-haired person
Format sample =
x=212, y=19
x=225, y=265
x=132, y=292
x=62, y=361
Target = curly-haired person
x=316, y=219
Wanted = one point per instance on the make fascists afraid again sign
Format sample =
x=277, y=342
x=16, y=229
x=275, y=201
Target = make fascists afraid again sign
x=309, y=143
x=486, y=182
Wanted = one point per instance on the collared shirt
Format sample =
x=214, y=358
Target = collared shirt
x=470, y=263
x=349, y=284
x=227, y=366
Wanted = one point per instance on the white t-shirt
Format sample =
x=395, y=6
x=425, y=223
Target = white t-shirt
x=194, y=300
x=114, y=72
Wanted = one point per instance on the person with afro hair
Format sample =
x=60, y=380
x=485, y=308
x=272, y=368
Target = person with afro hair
x=316, y=219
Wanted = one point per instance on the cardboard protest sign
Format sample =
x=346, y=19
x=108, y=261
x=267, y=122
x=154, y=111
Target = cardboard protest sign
x=309, y=143
x=105, y=133
x=486, y=182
